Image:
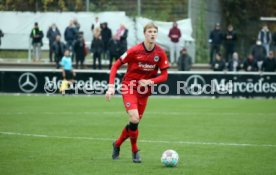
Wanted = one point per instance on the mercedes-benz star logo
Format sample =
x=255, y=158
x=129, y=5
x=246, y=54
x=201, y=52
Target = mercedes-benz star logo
x=27, y=82
x=195, y=84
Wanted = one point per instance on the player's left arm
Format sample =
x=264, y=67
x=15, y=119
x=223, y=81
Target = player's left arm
x=159, y=79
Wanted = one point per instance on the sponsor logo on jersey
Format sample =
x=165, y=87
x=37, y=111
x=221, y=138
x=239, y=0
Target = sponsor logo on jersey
x=146, y=67
x=156, y=58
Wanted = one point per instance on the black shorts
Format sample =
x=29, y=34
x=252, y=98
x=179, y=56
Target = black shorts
x=69, y=75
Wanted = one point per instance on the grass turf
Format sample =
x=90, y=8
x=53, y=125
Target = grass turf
x=73, y=135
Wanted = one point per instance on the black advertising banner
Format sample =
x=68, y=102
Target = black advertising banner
x=179, y=83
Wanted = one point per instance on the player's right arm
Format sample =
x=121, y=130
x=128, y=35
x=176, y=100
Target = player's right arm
x=125, y=58
x=111, y=86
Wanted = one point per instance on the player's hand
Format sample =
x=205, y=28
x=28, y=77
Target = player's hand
x=109, y=92
x=144, y=82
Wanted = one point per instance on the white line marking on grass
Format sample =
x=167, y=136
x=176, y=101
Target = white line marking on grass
x=146, y=113
x=143, y=141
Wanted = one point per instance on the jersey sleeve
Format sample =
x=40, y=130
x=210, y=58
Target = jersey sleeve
x=62, y=62
x=163, y=63
x=126, y=57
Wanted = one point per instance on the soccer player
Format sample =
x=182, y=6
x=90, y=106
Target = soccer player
x=143, y=62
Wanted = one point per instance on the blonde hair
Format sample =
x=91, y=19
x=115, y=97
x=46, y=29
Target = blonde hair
x=150, y=25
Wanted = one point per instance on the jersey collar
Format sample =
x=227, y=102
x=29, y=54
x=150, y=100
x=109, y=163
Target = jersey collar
x=146, y=48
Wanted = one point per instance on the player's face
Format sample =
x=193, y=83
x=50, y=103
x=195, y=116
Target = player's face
x=151, y=35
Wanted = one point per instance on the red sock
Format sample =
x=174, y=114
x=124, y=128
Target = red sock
x=133, y=135
x=124, y=135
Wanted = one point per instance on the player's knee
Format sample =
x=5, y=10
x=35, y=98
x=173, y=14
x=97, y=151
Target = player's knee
x=134, y=116
x=134, y=119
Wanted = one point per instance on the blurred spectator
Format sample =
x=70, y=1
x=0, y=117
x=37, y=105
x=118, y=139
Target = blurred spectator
x=80, y=50
x=1, y=35
x=97, y=24
x=52, y=33
x=274, y=42
x=97, y=48
x=218, y=64
x=121, y=35
x=259, y=53
x=36, y=36
x=70, y=35
x=230, y=39
x=114, y=50
x=68, y=73
x=250, y=64
x=58, y=49
x=174, y=35
x=215, y=39
x=184, y=61
x=265, y=37
x=235, y=64
x=106, y=36
x=269, y=64
x=76, y=24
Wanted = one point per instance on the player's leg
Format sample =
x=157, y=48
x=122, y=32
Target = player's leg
x=142, y=103
x=130, y=102
x=133, y=134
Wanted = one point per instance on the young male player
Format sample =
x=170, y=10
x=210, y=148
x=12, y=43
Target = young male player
x=144, y=60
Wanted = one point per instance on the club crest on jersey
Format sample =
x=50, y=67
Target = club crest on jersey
x=156, y=58
x=128, y=104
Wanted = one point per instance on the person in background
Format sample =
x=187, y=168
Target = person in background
x=52, y=33
x=174, y=35
x=250, y=64
x=274, y=42
x=58, y=49
x=68, y=73
x=76, y=24
x=36, y=36
x=259, y=53
x=114, y=50
x=71, y=35
x=97, y=48
x=121, y=35
x=230, y=39
x=218, y=64
x=215, y=39
x=265, y=37
x=269, y=64
x=1, y=35
x=96, y=24
x=106, y=35
x=80, y=50
x=235, y=63
x=184, y=62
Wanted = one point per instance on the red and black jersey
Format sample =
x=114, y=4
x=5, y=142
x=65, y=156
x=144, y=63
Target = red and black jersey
x=144, y=64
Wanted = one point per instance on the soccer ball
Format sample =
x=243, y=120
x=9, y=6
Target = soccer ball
x=169, y=158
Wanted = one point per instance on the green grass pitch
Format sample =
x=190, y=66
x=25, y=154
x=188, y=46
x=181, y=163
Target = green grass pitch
x=72, y=135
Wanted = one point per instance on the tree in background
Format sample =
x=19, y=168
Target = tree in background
x=165, y=10
x=201, y=38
